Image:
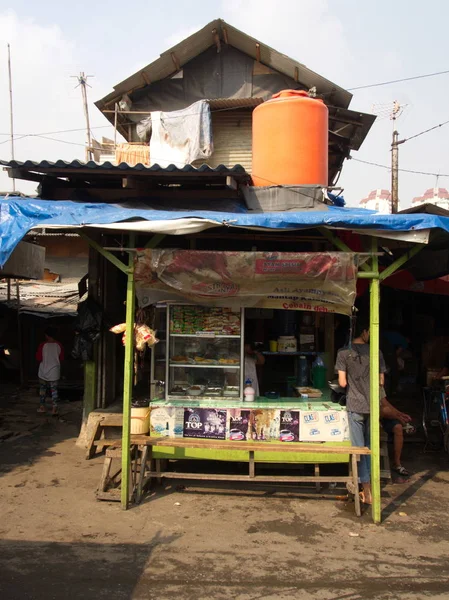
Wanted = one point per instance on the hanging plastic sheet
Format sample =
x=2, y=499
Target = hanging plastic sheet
x=321, y=282
x=182, y=136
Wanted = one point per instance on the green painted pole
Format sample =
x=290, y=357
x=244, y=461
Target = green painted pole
x=108, y=255
x=155, y=240
x=398, y=263
x=128, y=380
x=338, y=243
x=374, y=387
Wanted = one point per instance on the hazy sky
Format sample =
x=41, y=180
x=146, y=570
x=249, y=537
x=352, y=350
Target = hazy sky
x=351, y=42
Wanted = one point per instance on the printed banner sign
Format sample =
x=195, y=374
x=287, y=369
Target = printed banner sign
x=322, y=282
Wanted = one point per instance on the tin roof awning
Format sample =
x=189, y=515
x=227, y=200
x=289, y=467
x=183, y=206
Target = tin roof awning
x=220, y=32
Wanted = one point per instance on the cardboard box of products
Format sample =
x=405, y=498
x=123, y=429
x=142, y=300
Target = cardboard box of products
x=166, y=421
x=264, y=424
x=205, y=423
x=323, y=426
x=289, y=426
x=238, y=424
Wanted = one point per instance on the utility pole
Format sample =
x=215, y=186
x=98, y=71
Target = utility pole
x=11, y=117
x=82, y=82
x=395, y=113
x=395, y=173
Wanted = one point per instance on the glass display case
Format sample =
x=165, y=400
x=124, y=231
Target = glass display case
x=158, y=354
x=204, y=352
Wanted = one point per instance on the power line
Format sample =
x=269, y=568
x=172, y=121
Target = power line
x=373, y=164
x=61, y=131
x=425, y=131
x=43, y=137
x=364, y=87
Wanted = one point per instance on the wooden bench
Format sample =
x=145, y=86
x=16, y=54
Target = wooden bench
x=147, y=473
x=109, y=486
x=97, y=428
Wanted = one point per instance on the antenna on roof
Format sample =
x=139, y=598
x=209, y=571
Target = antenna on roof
x=11, y=116
x=82, y=82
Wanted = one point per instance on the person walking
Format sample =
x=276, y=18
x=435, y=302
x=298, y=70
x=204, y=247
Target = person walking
x=353, y=368
x=49, y=354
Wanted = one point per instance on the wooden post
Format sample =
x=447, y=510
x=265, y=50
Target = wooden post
x=374, y=387
x=19, y=337
x=90, y=388
x=128, y=379
x=329, y=344
x=115, y=126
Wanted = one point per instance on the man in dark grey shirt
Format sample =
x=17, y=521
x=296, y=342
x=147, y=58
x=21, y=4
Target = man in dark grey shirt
x=353, y=368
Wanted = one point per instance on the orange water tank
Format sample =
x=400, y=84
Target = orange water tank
x=290, y=140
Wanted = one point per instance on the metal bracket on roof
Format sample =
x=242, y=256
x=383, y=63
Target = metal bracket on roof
x=145, y=78
x=217, y=40
x=175, y=61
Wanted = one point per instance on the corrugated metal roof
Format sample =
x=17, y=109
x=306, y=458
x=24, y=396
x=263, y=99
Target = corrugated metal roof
x=230, y=103
x=107, y=166
x=54, y=298
x=203, y=39
x=122, y=169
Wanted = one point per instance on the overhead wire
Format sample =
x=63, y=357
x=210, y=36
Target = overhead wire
x=56, y=132
x=371, y=85
x=412, y=137
x=373, y=164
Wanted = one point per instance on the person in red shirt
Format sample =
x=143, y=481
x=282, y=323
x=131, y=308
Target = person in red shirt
x=50, y=354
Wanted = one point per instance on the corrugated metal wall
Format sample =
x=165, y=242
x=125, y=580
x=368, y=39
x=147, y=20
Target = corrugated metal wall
x=232, y=130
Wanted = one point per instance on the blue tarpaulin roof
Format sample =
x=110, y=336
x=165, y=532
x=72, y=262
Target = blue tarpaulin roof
x=18, y=216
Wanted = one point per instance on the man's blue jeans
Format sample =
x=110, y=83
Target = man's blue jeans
x=359, y=430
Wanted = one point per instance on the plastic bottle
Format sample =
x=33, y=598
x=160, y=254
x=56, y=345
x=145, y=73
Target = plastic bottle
x=303, y=372
x=319, y=373
x=249, y=392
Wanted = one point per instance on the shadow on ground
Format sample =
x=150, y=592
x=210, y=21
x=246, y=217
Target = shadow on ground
x=87, y=570
x=25, y=436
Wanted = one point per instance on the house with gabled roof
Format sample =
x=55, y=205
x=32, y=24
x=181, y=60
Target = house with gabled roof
x=234, y=73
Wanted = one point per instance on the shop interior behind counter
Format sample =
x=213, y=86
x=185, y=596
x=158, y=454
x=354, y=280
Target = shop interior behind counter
x=280, y=373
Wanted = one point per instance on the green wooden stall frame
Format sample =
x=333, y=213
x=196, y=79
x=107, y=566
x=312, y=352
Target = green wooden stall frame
x=366, y=272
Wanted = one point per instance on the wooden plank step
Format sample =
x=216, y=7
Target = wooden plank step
x=261, y=478
x=253, y=446
x=113, y=452
x=110, y=496
x=112, y=420
x=107, y=442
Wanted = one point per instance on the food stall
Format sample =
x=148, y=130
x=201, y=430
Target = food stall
x=204, y=390
x=202, y=299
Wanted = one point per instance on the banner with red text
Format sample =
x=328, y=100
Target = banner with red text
x=320, y=281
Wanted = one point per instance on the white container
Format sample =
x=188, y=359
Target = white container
x=140, y=420
x=249, y=393
x=287, y=343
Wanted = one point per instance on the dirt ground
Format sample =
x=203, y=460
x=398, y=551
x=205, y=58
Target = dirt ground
x=58, y=542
